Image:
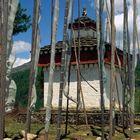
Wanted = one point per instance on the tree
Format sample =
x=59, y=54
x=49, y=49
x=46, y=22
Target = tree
x=22, y=21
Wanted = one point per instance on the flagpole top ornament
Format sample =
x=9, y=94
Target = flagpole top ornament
x=84, y=12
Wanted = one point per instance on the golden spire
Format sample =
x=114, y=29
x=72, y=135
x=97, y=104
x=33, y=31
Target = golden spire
x=84, y=12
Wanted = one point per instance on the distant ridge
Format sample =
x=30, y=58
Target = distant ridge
x=23, y=67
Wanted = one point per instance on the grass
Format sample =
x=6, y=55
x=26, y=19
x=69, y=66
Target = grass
x=82, y=133
x=12, y=127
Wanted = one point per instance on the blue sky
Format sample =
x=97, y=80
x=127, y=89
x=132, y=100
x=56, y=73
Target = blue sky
x=24, y=39
x=22, y=42
x=45, y=23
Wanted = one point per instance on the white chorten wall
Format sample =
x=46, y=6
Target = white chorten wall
x=92, y=98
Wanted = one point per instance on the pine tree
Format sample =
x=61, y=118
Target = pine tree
x=22, y=21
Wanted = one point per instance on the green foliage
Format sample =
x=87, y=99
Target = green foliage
x=39, y=88
x=137, y=93
x=22, y=81
x=137, y=100
x=138, y=75
x=22, y=21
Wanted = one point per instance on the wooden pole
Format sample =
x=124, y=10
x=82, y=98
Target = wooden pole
x=63, y=69
x=138, y=40
x=129, y=72
x=81, y=91
x=98, y=30
x=52, y=14
x=124, y=76
x=129, y=69
x=78, y=78
x=79, y=87
x=67, y=108
x=33, y=54
x=101, y=27
x=7, y=16
x=3, y=55
x=100, y=45
x=133, y=68
x=69, y=69
x=112, y=76
x=109, y=21
x=108, y=32
x=52, y=68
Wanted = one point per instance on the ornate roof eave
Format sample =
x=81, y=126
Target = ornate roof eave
x=84, y=42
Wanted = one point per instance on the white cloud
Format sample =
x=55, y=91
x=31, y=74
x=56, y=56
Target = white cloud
x=21, y=46
x=20, y=61
x=119, y=20
x=119, y=24
x=119, y=5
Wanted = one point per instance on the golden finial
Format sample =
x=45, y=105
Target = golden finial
x=84, y=12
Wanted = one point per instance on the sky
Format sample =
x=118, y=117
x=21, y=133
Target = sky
x=22, y=42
